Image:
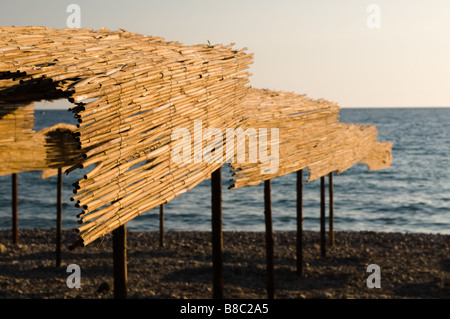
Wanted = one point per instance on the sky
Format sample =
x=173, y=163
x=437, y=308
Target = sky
x=358, y=53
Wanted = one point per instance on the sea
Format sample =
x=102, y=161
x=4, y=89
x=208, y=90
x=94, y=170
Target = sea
x=412, y=196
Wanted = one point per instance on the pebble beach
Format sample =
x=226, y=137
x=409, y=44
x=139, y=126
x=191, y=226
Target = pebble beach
x=411, y=266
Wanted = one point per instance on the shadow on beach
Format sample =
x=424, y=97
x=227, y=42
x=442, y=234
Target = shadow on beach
x=412, y=266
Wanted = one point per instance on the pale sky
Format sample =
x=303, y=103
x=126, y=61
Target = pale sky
x=322, y=48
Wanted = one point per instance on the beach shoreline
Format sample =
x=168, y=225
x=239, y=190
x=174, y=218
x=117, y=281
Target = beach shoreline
x=411, y=266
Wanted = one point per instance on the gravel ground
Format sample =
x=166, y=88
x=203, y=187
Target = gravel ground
x=412, y=266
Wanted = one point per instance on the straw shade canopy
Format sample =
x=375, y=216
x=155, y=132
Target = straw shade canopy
x=23, y=149
x=131, y=94
x=309, y=136
x=153, y=115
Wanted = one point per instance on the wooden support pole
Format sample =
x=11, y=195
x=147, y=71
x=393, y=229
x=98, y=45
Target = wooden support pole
x=217, y=236
x=269, y=240
x=120, y=262
x=161, y=225
x=331, y=207
x=58, y=217
x=15, y=227
x=300, y=222
x=322, y=217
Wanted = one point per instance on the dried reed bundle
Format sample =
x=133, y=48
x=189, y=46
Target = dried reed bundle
x=23, y=149
x=131, y=93
x=310, y=136
x=140, y=99
x=16, y=123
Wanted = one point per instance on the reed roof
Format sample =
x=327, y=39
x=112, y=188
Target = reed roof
x=131, y=92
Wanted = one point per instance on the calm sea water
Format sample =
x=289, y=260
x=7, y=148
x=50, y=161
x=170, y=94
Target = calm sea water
x=413, y=195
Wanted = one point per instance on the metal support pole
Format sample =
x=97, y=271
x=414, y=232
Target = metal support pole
x=331, y=220
x=217, y=236
x=120, y=262
x=161, y=225
x=58, y=217
x=322, y=217
x=15, y=227
x=269, y=240
x=300, y=222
